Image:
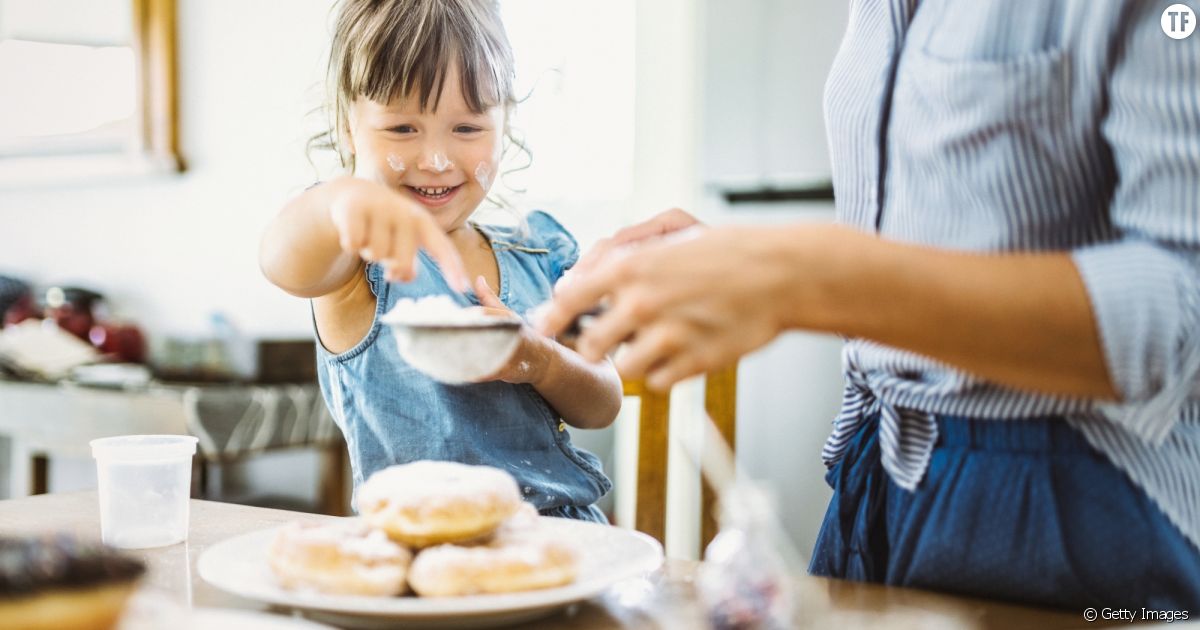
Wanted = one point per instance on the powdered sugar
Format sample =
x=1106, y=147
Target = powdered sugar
x=438, y=163
x=450, y=343
x=435, y=310
x=483, y=175
x=436, y=483
x=352, y=537
x=375, y=545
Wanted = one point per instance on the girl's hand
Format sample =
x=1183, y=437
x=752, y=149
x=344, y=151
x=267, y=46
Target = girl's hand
x=528, y=362
x=381, y=225
x=685, y=306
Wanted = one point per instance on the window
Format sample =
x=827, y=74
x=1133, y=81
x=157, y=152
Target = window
x=89, y=89
x=575, y=61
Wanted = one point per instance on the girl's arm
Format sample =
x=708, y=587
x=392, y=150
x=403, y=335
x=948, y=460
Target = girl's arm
x=300, y=251
x=586, y=395
x=315, y=245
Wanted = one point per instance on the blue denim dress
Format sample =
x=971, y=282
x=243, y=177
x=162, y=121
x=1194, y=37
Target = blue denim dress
x=390, y=413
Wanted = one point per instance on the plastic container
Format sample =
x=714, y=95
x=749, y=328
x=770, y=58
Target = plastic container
x=145, y=485
x=745, y=583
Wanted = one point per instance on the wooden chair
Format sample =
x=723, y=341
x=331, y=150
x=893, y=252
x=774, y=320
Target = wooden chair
x=720, y=400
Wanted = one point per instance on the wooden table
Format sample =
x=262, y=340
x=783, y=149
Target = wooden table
x=822, y=603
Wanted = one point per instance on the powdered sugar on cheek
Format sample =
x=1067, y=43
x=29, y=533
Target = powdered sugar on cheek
x=483, y=175
x=395, y=163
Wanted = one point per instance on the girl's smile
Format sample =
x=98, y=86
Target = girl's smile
x=433, y=196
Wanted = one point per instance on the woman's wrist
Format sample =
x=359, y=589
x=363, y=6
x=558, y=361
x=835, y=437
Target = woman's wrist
x=818, y=289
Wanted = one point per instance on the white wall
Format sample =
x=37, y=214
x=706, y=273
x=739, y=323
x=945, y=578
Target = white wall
x=169, y=250
x=765, y=68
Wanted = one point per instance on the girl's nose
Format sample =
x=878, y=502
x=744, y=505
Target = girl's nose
x=435, y=161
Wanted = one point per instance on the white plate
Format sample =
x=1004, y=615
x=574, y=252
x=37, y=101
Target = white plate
x=151, y=610
x=607, y=555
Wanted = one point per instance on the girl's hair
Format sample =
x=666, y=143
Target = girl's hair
x=388, y=49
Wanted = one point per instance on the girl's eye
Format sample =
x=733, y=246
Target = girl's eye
x=466, y=129
x=402, y=129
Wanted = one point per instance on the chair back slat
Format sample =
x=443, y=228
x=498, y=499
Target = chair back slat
x=720, y=401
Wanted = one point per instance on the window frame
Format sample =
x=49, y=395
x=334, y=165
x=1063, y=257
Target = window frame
x=154, y=147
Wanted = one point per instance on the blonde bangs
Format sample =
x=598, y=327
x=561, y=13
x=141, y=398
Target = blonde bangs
x=406, y=51
x=385, y=50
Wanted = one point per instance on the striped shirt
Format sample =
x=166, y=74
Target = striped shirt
x=1031, y=125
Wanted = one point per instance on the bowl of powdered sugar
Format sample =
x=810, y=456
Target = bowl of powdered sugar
x=451, y=343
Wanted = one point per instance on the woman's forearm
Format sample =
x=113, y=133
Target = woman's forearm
x=299, y=251
x=1023, y=319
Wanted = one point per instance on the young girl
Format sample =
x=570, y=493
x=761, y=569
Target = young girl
x=422, y=90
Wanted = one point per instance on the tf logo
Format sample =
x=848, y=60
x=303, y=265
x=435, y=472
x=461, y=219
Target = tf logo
x=1178, y=21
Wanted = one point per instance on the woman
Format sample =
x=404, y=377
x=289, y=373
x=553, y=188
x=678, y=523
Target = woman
x=1018, y=276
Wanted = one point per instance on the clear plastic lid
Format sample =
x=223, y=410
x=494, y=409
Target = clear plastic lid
x=144, y=447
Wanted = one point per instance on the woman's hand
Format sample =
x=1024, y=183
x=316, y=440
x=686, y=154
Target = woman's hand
x=689, y=305
x=529, y=361
x=381, y=225
x=685, y=305
x=662, y=224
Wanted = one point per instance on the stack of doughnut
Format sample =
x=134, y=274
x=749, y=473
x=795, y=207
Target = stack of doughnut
x=442, y=529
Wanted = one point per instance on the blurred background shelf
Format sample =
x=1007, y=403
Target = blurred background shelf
x=43, y=421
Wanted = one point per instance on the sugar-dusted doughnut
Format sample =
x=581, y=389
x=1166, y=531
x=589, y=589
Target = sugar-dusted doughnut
x=520, y=557
x=344, y=558
x=427, y=503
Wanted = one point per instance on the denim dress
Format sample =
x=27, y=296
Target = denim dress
x=390, y=413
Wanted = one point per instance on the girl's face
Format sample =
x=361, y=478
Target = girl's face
x=445, y=159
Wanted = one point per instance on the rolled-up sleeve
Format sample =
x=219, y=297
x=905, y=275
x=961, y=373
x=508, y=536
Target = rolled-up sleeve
x=1145, y=287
